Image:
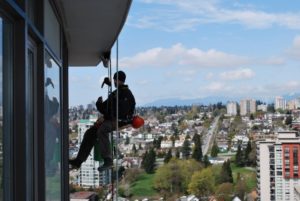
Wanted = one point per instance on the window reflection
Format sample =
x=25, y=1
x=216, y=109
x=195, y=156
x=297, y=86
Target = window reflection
x=52, y=129
x=1, y=112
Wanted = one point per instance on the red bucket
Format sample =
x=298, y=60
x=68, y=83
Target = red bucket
x=137, y=122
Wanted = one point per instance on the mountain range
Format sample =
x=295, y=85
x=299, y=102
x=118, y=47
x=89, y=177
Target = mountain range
x=211, y=100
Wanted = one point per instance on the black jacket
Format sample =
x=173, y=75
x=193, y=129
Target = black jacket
x=126, y=105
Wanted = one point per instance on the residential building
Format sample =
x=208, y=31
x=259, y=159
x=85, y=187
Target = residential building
x=247, y=106
x=278, y=167
x=280, y=103
x=297, y=193
x=292, y=104
x=89, y=175
x=84, y=196
x=262, y=107
x=40, y=40
x=231, y=108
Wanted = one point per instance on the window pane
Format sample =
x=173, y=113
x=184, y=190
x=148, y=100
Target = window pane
x=32, y=10
x=1, y=111
x=52, y=130
x=52, y=29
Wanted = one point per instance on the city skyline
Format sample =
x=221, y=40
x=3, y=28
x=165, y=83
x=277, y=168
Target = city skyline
x=196, y=49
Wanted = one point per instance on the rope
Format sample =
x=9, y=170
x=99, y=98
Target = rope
x=117, y=122
x=117, y=126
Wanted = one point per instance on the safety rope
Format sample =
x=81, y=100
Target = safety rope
x=117, y=120
x=114, y=149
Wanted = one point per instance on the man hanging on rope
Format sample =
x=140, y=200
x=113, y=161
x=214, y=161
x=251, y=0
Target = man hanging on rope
x=99, y=132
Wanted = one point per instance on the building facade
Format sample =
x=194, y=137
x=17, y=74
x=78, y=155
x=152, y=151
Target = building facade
x=89, y=175
x=247, y=106
x=231, y=108
x=39, y=40
x=278, y=167
x=280, y=103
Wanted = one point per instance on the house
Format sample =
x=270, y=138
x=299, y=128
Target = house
x=84, y=196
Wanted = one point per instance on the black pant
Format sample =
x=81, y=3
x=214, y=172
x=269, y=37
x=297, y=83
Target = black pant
x=97, y=135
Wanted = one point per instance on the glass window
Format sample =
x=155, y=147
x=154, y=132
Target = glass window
x=32, y=11
x=31, y=56
x=52, y=29
x=1, y=113
x=5, y=109
x=52, y=129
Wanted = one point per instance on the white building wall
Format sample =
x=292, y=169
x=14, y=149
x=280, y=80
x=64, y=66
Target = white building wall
x=243, y=107
x=89, y=175
x=247, y=106
x=280, y=103
x=232, y=108
x=284, y=188
x=264, y=176
x=262, y=107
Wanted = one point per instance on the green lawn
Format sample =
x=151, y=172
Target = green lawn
x=248, y=174
x=143, y=186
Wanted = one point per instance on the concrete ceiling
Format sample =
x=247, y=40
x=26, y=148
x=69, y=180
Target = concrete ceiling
x=91, y=27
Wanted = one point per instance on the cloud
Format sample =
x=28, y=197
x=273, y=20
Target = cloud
x=239, y=74
x=209, y=76
x=274, y=61
x=187, y=15
x=294, y=51
x=215, y=87
x=178, y=55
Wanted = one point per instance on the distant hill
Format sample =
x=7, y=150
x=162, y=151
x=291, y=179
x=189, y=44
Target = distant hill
x=197, y=101
x=291, y=96
x=211, y=100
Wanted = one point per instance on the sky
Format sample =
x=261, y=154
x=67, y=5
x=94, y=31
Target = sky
x=200, y=48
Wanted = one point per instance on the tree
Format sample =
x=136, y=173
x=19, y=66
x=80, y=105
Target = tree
x=214, y=150
x=252, y=155
x=239, y=159
x=197, y=151
x=173, y=138
x=175, y=176
x=149, y=161
x=144, y=159
x=131, y=174
x=168, y=156
x=127, y=140
x=224, y=192
x=288, y=120
x=226, y=173
x=186, y=149
x=206, y=161
x=271, y=108
x=246, y=153
x=168, y=177
x=240, y=187
x=140, y=146
x=134, y=150
x=177, y=154
x=202, y=184
x=157, y=142
x=251, y=117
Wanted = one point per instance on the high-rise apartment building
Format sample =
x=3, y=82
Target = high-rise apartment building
x=247, y=106
x=89, y=175
x=278, y=170
x=232, y=108
x=291, y=104
x=280, y=103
